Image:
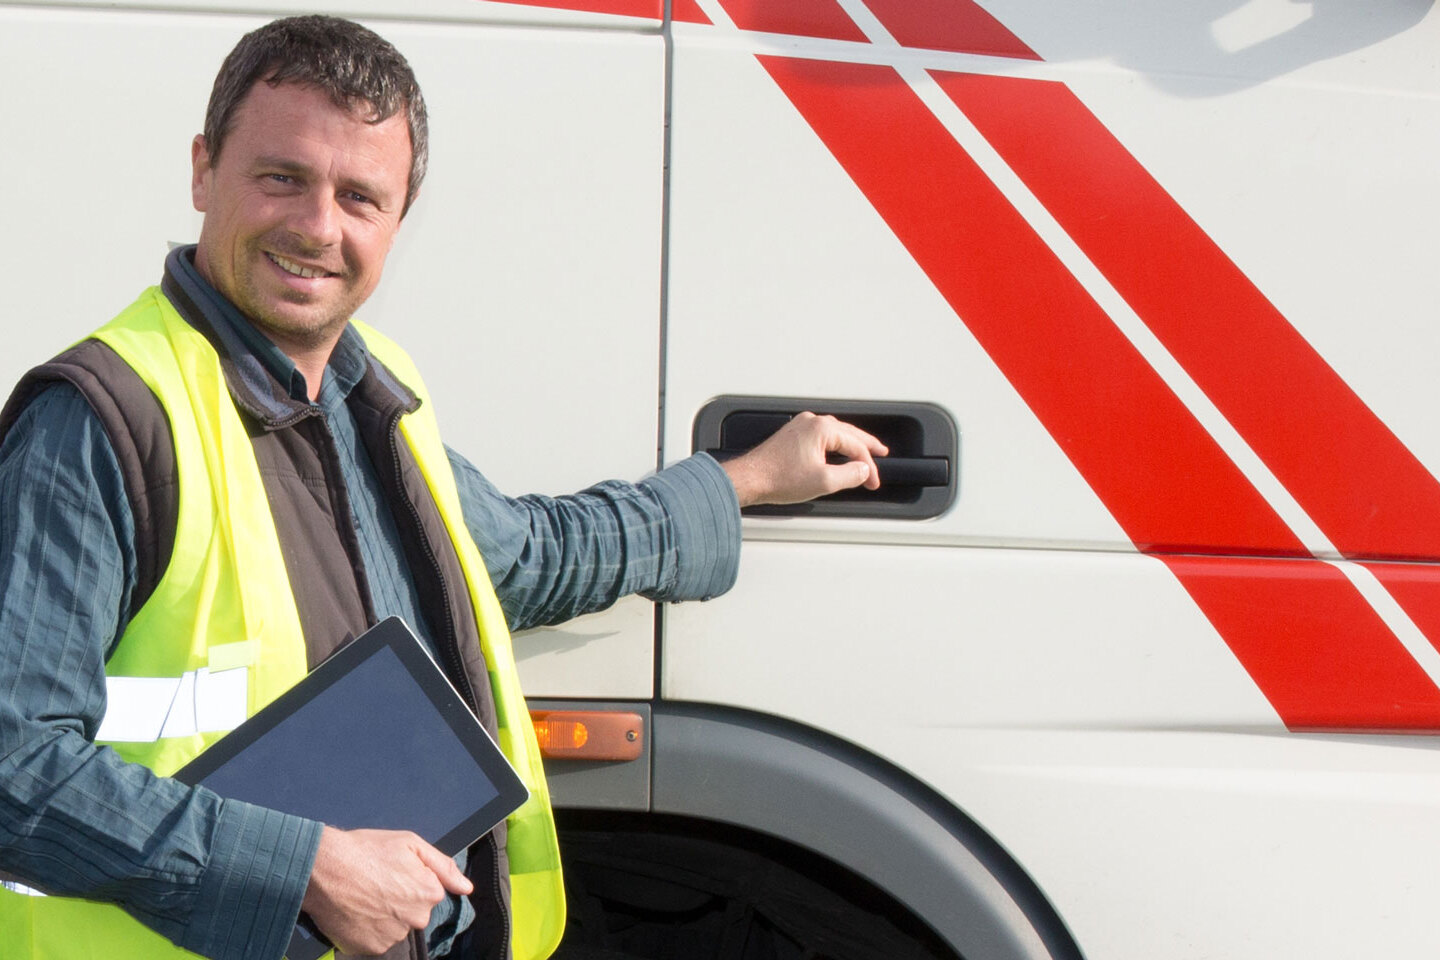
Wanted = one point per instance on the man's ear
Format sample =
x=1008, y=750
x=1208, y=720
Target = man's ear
x=200, y=171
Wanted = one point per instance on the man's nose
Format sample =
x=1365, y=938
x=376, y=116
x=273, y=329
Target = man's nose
x=316, y=219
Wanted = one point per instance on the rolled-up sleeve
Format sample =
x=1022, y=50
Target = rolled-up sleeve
x=673, y=536
x=220, y=878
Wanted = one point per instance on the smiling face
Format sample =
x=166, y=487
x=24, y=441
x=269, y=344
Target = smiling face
x=301, y=207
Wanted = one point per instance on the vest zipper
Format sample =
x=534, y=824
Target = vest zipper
x=505, y=952
x=450, y=648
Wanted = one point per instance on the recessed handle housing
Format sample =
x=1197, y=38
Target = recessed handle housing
x=918, y=480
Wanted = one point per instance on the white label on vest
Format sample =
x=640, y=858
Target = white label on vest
x=144, y=709
x=16, y=887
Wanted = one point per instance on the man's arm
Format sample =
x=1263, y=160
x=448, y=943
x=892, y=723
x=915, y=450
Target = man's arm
x=672, y=536
x=221, y=878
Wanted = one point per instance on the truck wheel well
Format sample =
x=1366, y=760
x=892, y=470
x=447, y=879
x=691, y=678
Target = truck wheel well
x=654, y=887
x=782, y=779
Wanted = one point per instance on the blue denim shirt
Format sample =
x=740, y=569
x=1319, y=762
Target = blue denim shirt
x=223, y=878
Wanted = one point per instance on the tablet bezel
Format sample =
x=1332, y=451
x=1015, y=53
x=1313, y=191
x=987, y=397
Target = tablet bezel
x=394, y=634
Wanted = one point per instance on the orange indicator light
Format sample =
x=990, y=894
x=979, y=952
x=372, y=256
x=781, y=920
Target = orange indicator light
x=561, y=735
x=588, y=734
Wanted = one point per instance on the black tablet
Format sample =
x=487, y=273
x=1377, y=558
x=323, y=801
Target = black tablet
x=374, y=737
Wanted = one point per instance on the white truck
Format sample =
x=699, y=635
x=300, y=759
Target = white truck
x=1133, y=657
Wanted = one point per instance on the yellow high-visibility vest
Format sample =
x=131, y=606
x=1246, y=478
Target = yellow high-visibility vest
x=222, y=625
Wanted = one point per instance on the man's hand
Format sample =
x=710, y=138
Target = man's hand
x=370, y=888
x=792, y=465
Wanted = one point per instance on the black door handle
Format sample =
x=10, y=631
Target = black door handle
x=894, y=471
x=913, y=471
x=917, y=480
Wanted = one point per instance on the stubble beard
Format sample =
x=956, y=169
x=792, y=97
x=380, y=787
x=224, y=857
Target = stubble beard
x=307, y=325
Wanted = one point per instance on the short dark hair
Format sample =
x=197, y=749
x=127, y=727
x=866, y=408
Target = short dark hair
x=355, y=66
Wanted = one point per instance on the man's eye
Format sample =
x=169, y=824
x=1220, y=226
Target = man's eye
x=354, y=197
x=279, y=177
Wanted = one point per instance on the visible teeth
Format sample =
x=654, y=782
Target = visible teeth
x=290, y=266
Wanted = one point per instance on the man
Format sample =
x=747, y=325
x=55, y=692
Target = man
x=232, y=478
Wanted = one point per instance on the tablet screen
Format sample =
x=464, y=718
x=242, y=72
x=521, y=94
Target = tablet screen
x=328, y=751
x=374, y=737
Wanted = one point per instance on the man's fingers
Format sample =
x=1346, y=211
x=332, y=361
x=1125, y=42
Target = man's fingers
x=869, y=443
x=871, y=476
x=793, y=464
x=369, y=888
x=445, y=869
x=853, y=474
x=861, y=447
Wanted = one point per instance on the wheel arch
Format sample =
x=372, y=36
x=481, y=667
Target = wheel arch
x=776, y=777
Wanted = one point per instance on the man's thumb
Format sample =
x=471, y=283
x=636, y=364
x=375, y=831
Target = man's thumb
x=860, y=471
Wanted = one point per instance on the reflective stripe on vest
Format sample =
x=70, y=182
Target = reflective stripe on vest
x=207, y=630
x=147, y=709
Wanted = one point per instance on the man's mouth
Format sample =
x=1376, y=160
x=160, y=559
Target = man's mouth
x=291, y=267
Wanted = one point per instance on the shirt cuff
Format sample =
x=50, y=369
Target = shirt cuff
x=705, y=515
x=250, y=894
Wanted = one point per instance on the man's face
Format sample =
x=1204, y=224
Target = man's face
x=300, y=210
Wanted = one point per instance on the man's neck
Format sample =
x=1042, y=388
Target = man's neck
x=310, y=359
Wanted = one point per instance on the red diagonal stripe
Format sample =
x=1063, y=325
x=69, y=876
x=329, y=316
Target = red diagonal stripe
x=1416, y=587
x=650, y=9
x=801, y=18
x=687, y=11
x=1356, y=480
x=1152, y=463
x=1312, y=644
x=1159, y=473
x=959, y=25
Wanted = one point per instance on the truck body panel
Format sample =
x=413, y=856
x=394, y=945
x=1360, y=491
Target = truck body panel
x=1173, y=647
